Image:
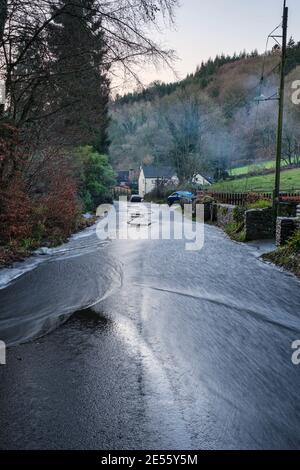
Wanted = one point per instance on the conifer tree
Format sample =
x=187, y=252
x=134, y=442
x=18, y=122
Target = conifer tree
x=80, y=85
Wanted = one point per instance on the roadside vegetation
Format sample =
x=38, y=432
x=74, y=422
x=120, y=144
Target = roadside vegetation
x=287, y=256
x=96, y=177
x=236, y=228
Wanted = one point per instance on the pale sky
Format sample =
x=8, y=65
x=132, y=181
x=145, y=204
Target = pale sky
x=205, y=28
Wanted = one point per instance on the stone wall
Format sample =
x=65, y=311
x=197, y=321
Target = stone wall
x=287, y=209
x=222, y=214
x=285, y=227
x=259, y=224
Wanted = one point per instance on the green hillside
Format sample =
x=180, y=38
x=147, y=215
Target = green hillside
x=244, y=170
x=255, y=167
x=290, y=181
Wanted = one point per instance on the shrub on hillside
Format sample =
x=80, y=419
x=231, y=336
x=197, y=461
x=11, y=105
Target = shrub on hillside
x=293, y=244
x=96, y=177
x=287, y=256
x=15, y=212
x=57, y=213
x=38, y=196
x=15, y=205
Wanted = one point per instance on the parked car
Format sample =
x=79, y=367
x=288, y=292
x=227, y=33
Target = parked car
x=136, y=198
x=178, y=196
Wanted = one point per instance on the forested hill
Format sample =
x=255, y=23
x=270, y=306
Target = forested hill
x=203, y=76
x=210, y=121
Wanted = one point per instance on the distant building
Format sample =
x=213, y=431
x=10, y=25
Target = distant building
x=152, y=175
x=201, y=180
x=126, y=177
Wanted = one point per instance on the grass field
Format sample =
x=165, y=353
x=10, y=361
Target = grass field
x=290, y=181
x=244, y=170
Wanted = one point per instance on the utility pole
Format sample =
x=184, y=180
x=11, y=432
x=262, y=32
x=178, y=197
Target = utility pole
x=276, y=199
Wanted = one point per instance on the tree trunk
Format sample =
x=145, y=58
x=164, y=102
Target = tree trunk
x=3, y=15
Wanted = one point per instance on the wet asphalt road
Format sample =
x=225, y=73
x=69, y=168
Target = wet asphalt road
x=176, y=350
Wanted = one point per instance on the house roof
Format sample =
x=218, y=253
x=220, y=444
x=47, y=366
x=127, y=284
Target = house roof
x=202, y=175
x=123, y=175
x=152, y=171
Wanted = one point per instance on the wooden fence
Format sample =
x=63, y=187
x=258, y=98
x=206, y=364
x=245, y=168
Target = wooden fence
x=121, y=191
x=240, y=199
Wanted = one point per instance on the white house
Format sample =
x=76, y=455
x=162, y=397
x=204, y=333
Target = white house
x=151, y=175
x=200, y=180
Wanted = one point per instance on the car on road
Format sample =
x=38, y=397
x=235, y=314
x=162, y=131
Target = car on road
x=136, y=198
x=179, y=196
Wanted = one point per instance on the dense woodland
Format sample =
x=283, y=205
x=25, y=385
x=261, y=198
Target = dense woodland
x=210, y=121
x=57, y=58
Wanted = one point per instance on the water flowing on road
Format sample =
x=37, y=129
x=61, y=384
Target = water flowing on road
x=151, y=346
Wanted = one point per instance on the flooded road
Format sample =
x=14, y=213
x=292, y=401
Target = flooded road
x=166, y=348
